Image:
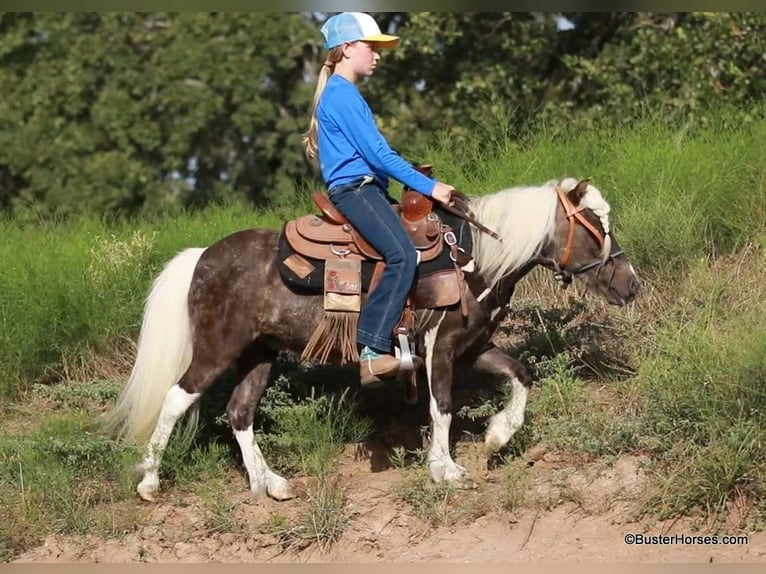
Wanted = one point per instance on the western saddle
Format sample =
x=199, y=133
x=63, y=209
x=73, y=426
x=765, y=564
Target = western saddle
x=330, y=235
x=331, y=239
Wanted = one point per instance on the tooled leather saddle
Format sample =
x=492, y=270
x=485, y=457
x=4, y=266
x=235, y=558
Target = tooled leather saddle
x=312, y=239
x=330, y=235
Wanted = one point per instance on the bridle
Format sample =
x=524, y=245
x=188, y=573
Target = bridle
x=574, y=215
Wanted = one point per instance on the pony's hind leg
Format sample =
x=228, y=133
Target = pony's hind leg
x=503, y=425
x=198, y=377
x=241, y=411
x=439, y=370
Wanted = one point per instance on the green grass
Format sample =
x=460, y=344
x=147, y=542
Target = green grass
x=323, y=518
x=702, y=388
x=308, y=435
x=74, y=290
x=62, y=478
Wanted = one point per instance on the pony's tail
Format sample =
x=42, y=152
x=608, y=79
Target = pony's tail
x=164, y=353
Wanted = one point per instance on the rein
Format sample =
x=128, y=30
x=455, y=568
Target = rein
x=461, y=210
x=574, y=215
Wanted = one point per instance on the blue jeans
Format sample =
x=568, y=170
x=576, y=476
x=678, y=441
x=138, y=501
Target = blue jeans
x=367, y=206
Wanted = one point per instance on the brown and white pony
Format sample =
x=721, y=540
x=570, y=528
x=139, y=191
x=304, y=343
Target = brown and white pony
x=227, y=305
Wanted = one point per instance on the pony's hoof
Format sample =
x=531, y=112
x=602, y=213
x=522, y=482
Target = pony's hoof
x=146, y=494
x=281, y=490
x=498, y=434
x=493, y=442
x=448, y=473
x=147, y=488
x=465, y=483
x=277, y=488
x=283, y=495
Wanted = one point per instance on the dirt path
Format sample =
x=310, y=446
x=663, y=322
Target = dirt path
x=578, y=513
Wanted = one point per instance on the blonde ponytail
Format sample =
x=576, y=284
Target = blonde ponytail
x=310, y=137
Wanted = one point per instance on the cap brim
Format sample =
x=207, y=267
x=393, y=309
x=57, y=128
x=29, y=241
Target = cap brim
x=383, y=40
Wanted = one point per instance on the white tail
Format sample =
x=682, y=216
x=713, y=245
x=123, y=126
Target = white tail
x=164, y=352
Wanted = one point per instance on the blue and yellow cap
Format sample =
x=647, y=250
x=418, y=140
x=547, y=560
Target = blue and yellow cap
x=353, y=26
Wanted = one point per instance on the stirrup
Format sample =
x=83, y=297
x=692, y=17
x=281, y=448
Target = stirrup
x=404, y=352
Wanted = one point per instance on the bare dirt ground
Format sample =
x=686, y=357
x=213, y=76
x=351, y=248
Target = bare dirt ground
x=579, y=512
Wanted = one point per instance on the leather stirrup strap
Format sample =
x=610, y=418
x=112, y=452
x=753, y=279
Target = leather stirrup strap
x=377, y=273
x=460, y=279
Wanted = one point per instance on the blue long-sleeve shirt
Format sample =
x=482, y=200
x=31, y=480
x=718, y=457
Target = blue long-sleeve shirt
x=350, y=144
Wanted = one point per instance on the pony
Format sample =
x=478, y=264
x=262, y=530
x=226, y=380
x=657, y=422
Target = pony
x=226, y=305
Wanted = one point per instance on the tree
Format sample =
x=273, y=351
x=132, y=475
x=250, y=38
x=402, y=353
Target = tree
x=138, y=112
x=129, y=111
x=679, y=63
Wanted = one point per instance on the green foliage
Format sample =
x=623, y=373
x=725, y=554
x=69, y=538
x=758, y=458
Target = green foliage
x=458, y=71
x=681, y=64
x=62, y=478
x=308, y=435
x=114, y=113
x=144, y=113
x=73, y=288
x=452, y=67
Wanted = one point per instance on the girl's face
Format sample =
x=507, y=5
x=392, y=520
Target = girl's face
x=362, y=57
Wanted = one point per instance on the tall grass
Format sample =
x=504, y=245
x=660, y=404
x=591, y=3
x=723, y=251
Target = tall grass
x=676, y=194
x=702, y=388
x=64, y=477
x=69, y=291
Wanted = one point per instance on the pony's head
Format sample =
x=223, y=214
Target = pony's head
x=562, y=225
x=584, y=244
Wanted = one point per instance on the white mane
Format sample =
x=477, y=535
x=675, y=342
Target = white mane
x=525, y=218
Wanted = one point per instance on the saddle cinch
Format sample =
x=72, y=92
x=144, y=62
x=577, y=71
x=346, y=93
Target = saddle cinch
x=331, y=239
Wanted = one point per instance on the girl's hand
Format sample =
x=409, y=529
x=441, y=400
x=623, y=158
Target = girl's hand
x=442, y=192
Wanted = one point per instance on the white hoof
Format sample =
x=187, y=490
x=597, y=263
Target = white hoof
x=148, y=487
x=280, y=489
x=274, y=486
x=498, y=434
x=446, y=471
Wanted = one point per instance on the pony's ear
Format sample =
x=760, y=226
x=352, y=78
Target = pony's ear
x=578, y=191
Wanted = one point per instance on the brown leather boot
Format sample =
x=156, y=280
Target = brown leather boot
x=372, y=371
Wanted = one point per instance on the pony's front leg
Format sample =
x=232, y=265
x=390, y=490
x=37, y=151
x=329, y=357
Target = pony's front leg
x=439, y=358
x=503, y=425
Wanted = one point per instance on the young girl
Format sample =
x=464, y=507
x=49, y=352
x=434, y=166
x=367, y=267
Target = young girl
x=356, y=162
